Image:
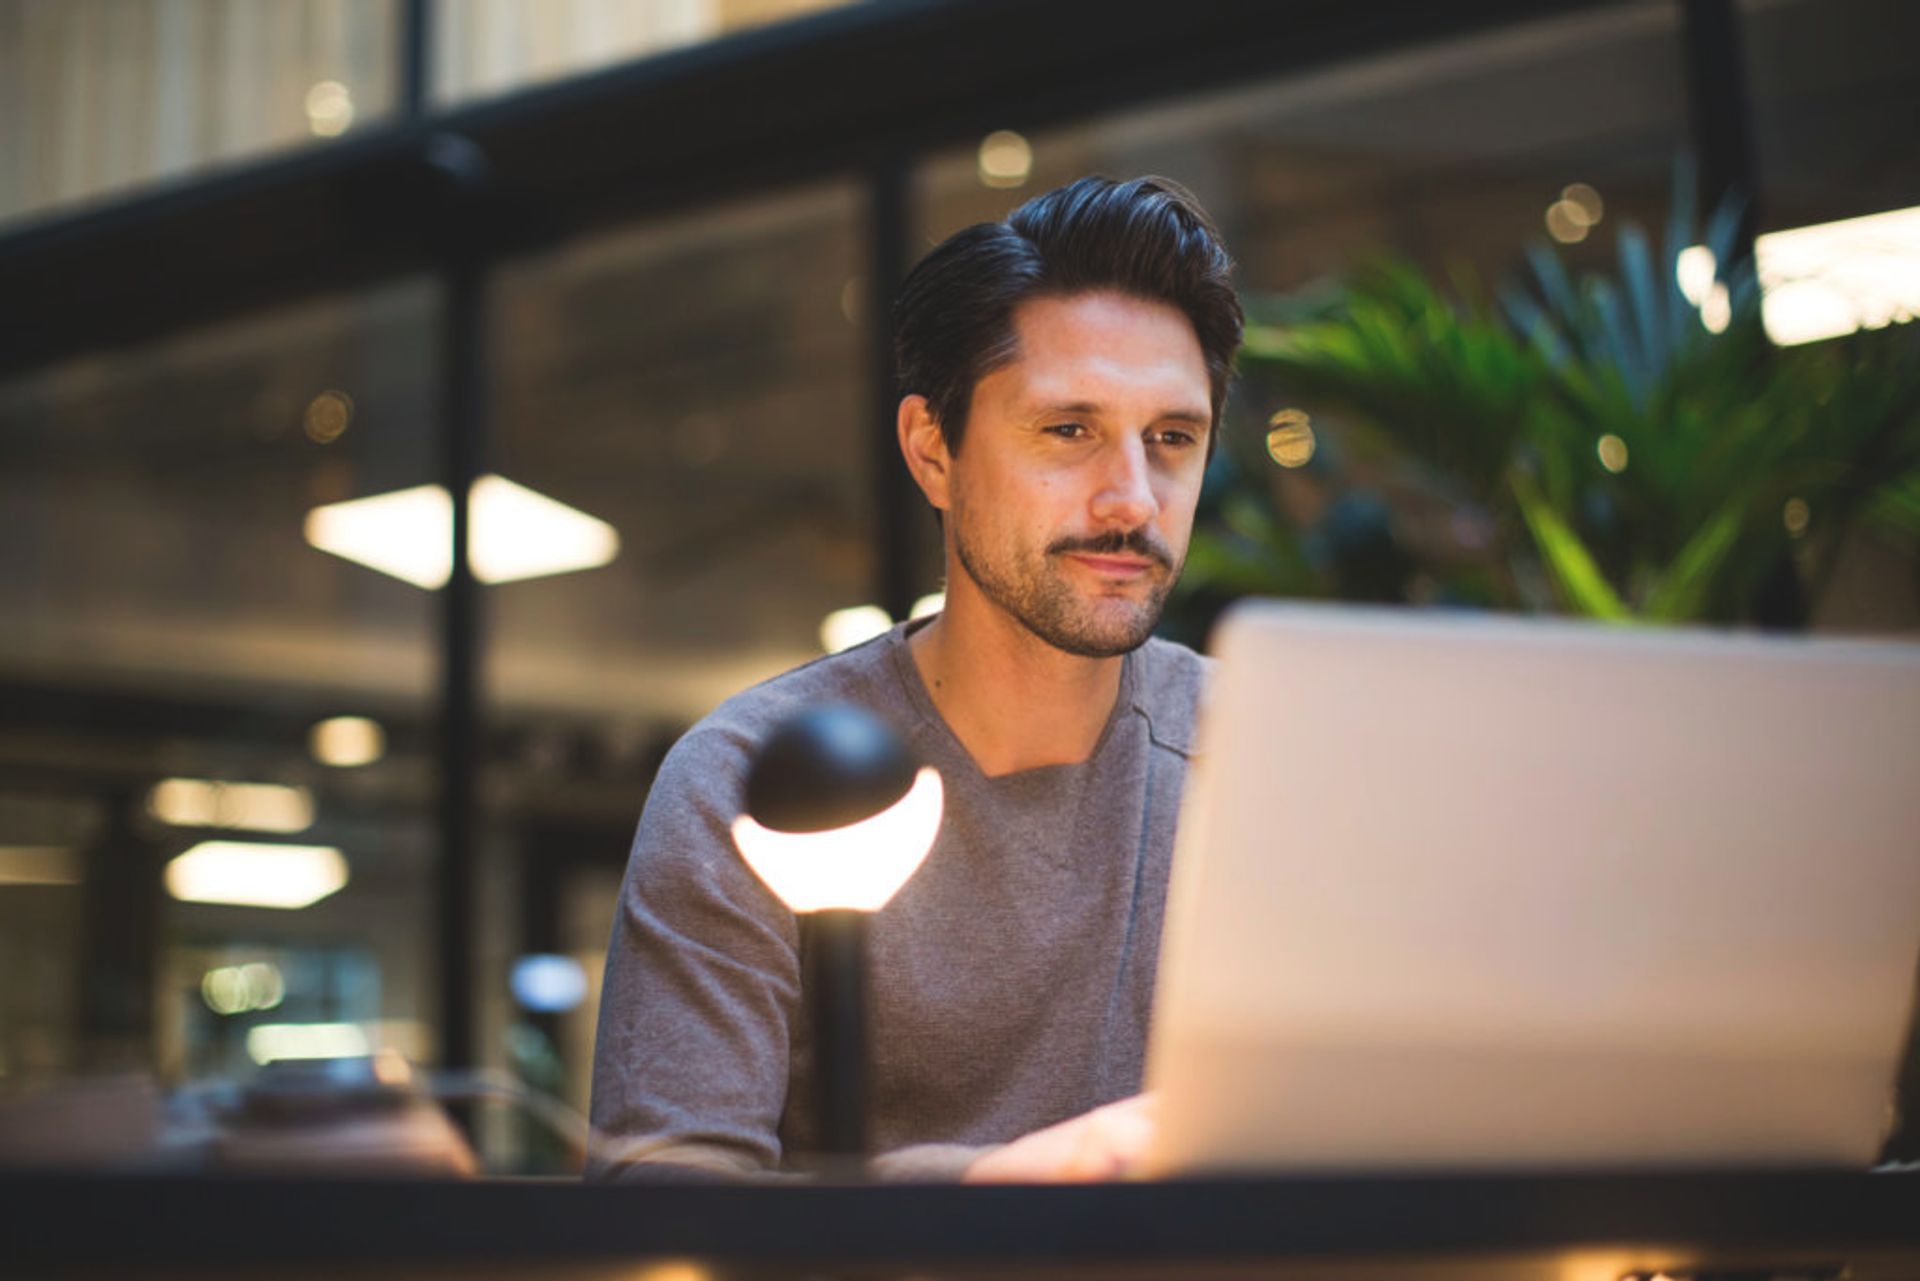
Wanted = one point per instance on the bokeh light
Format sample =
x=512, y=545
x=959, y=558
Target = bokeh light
x=1006, y=159
x=1290, y=439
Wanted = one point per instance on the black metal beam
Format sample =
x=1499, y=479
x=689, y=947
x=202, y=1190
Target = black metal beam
x=828, y=94
x=896, y=500
x=1720, y=109
x=416, y=38
x=120, y=944
x=464, y=370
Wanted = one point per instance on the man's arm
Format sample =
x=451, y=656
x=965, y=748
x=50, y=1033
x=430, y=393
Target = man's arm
x=698, y=1004
x=702, y=984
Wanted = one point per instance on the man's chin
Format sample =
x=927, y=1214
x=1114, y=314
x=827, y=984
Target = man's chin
x=1093, y=636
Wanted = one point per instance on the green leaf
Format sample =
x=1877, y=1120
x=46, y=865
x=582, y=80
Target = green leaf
x=1567, y=558
x=1682, y=590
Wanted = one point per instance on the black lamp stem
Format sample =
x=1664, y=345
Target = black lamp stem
x=835, y=989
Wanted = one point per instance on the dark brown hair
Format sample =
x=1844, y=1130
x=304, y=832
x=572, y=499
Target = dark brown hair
x=953, y=321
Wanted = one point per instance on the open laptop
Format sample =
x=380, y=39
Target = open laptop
x=1465, y=892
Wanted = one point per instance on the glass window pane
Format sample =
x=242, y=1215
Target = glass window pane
x=101, y=97
x=1834, y=95
x=175, y=656
x=700, y=385
x=1451, y=152
x=488, y=47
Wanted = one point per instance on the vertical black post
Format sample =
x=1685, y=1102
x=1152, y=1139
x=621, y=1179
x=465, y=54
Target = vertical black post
x=1721, y=110
x=416, y=33
x=463, y=432
x=120, y=941
x=896, y=501
x=1722, y=117
x=835, y=985
x=543, y=865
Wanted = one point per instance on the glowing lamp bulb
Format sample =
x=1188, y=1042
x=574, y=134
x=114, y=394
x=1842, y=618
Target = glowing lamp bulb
x=860, y=866
x=837, y=815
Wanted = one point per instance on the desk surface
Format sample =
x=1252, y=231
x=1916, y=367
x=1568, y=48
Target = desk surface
x=1567, y=1227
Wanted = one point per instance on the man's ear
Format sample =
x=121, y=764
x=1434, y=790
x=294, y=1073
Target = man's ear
x=924, y=446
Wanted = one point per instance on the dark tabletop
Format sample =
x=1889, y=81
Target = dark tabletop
x=1567, y=1227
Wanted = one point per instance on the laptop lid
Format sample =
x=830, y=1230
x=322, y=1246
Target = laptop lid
x=1460, y=891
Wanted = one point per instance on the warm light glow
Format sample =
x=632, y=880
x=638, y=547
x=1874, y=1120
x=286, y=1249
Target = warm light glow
x=855, y=625
x=248, y=807
x=1796, y=515
x=547, y=983
x=329, y=109
x=1583, y=203
x=1006, y=159
x=1613, y=453
x=1827, y=280
x=1567, y=222
x=674, y=1270
x=256, y=875
x=931, y=603
x=1694, y=269
x=38, y=865
x=235, y=989
x=1290, y=440
x=271, y=1042
x=346, y=741
x=327, y=417
x=516, y=533
x=858, y=867
x=390, y=1067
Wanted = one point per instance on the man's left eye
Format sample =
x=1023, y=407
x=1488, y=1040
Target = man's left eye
x=1176, y=436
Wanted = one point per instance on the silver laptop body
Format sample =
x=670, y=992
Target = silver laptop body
x=1468, y=892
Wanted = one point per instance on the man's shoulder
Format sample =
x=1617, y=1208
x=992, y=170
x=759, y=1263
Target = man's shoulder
x=862, y=675
x=698, y=785
x=1169, y=691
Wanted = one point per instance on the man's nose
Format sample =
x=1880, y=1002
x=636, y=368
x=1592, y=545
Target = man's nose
x=1125, y=498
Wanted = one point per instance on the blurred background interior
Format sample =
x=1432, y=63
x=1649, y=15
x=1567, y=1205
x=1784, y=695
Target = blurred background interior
x=277, y=784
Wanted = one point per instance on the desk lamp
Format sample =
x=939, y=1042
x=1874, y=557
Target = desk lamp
x=837, y=818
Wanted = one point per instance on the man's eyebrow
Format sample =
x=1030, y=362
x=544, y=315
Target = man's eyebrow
x=1178, y=414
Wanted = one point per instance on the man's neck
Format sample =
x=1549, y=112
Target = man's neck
x=1014, y=701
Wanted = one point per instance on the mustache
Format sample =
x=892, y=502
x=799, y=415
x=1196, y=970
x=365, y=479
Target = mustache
x=1133, y=542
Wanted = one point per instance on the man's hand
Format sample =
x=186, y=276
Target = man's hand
x=1106, y=1143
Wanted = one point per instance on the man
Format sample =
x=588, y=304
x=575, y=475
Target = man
x=1064, y=373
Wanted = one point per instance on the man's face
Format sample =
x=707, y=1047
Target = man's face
x=1071, y=497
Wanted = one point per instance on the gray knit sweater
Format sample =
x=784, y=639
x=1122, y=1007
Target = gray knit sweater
x=1011, y=977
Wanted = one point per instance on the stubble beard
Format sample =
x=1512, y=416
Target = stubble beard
x=1047, y=605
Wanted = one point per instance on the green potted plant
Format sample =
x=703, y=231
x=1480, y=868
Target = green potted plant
x=1618, y=458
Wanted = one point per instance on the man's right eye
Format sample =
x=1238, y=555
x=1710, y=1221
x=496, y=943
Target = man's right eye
x=1068, y=431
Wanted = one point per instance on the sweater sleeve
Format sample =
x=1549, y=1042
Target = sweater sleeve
x=701, y=989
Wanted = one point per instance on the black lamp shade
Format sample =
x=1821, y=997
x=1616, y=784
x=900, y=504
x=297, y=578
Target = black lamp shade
x=831, y=766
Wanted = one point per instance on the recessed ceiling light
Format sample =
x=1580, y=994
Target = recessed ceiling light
x=346, y=741
x=247, y=874
x=247, y=807
x=855, y=625
x=38, y=865
x=1825, y=280
x=516, y=533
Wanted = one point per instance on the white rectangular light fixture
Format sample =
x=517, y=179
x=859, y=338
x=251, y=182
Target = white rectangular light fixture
x=272, y=1042
x=38, y=865
x=248, y=874
x=516, y=533
x=248, y=807
x=1822, y=281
